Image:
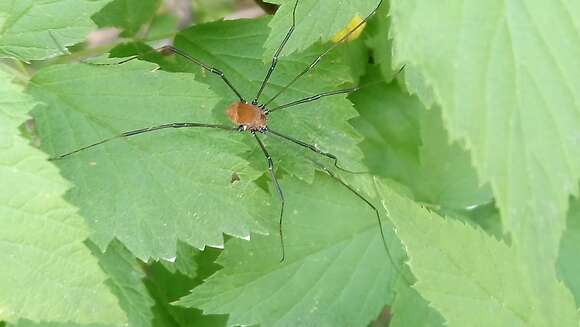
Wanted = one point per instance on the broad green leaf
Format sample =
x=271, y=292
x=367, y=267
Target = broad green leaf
x=127, y=15
x=472, y=278
x=235, y=47
x=380, y=43
x=167, y=287
x=26, y=26
x=316, y=20
x=151, y=190
x=507, y=77
x=355, y=54
x=192, y=262
x=568, y=264
x=47, y=272
x=125, y=281
x=336, y=271
x=410, y=309
x=405, y=142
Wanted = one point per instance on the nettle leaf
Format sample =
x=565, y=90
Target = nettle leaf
x=153, y=189
x=128, y=15
x=125, y=281
x=380, y=43
x=167, y=286
x=316, y=20
x=47, y=272
x=410, y=309
x=405, y=142
x=26, y=26
x=235, y=47
x=336, y=271
x=481, y=279
x=511, y=92
x=192, y=262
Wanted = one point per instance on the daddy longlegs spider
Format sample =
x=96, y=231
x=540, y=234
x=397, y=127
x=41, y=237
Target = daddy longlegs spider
x=253, y=116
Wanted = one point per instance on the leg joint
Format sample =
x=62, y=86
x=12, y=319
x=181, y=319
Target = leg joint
x=270, y=164
x=217, y=72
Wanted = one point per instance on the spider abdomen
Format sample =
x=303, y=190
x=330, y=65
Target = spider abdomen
x=247, y=115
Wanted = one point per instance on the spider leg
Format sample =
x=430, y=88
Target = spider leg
x=319, y=58
x=144, y=130
x=317, y=150
x=278, y=188
x=169, y=48
x=277, y=54
x=372, y=206
x=311, y=98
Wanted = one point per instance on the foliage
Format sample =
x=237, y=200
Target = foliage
x=326, y=268
x=471, y=152
x=128, y=15
x=517, y=110
x=47, y=274
x=35, y=29
x=88, y=103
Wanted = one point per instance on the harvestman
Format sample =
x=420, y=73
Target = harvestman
x=252, y=117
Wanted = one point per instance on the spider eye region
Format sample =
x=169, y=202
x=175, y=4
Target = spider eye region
x=246, y=115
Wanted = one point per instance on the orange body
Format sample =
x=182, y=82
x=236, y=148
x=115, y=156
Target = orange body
x=247, y=115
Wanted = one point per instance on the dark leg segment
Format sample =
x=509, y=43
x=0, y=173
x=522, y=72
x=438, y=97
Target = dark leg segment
x=317, y=60
x=317, y=150
x=189, y=58
x=145, y=130
x=311, y=98
x=372, y=206
x=277, y=54
x=278, y=188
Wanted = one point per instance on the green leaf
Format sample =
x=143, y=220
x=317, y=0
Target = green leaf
x=47, y=272
x=336, y=271
x=405, y=142
x=125, y=281
x=410, y=309
x=568, y=264
x=151, y=190
x=355, y=54
x=192, y=262
x=380, y=43
x=316, y=20
x=507, y=77
x=167, y=287
x=466, y=274
x=235, y=47
x=127, y=15
x=26, y=26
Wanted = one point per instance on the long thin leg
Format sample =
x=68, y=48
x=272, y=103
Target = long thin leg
x=278, y=188
x=317, y=60
x=322, y=95
x=317, y=150
x=372, y=206
x=310, y=99
x=169, y=48
x=275, y=58
x=145, y=130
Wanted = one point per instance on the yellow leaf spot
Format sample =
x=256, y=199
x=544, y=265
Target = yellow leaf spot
x=351, y=26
